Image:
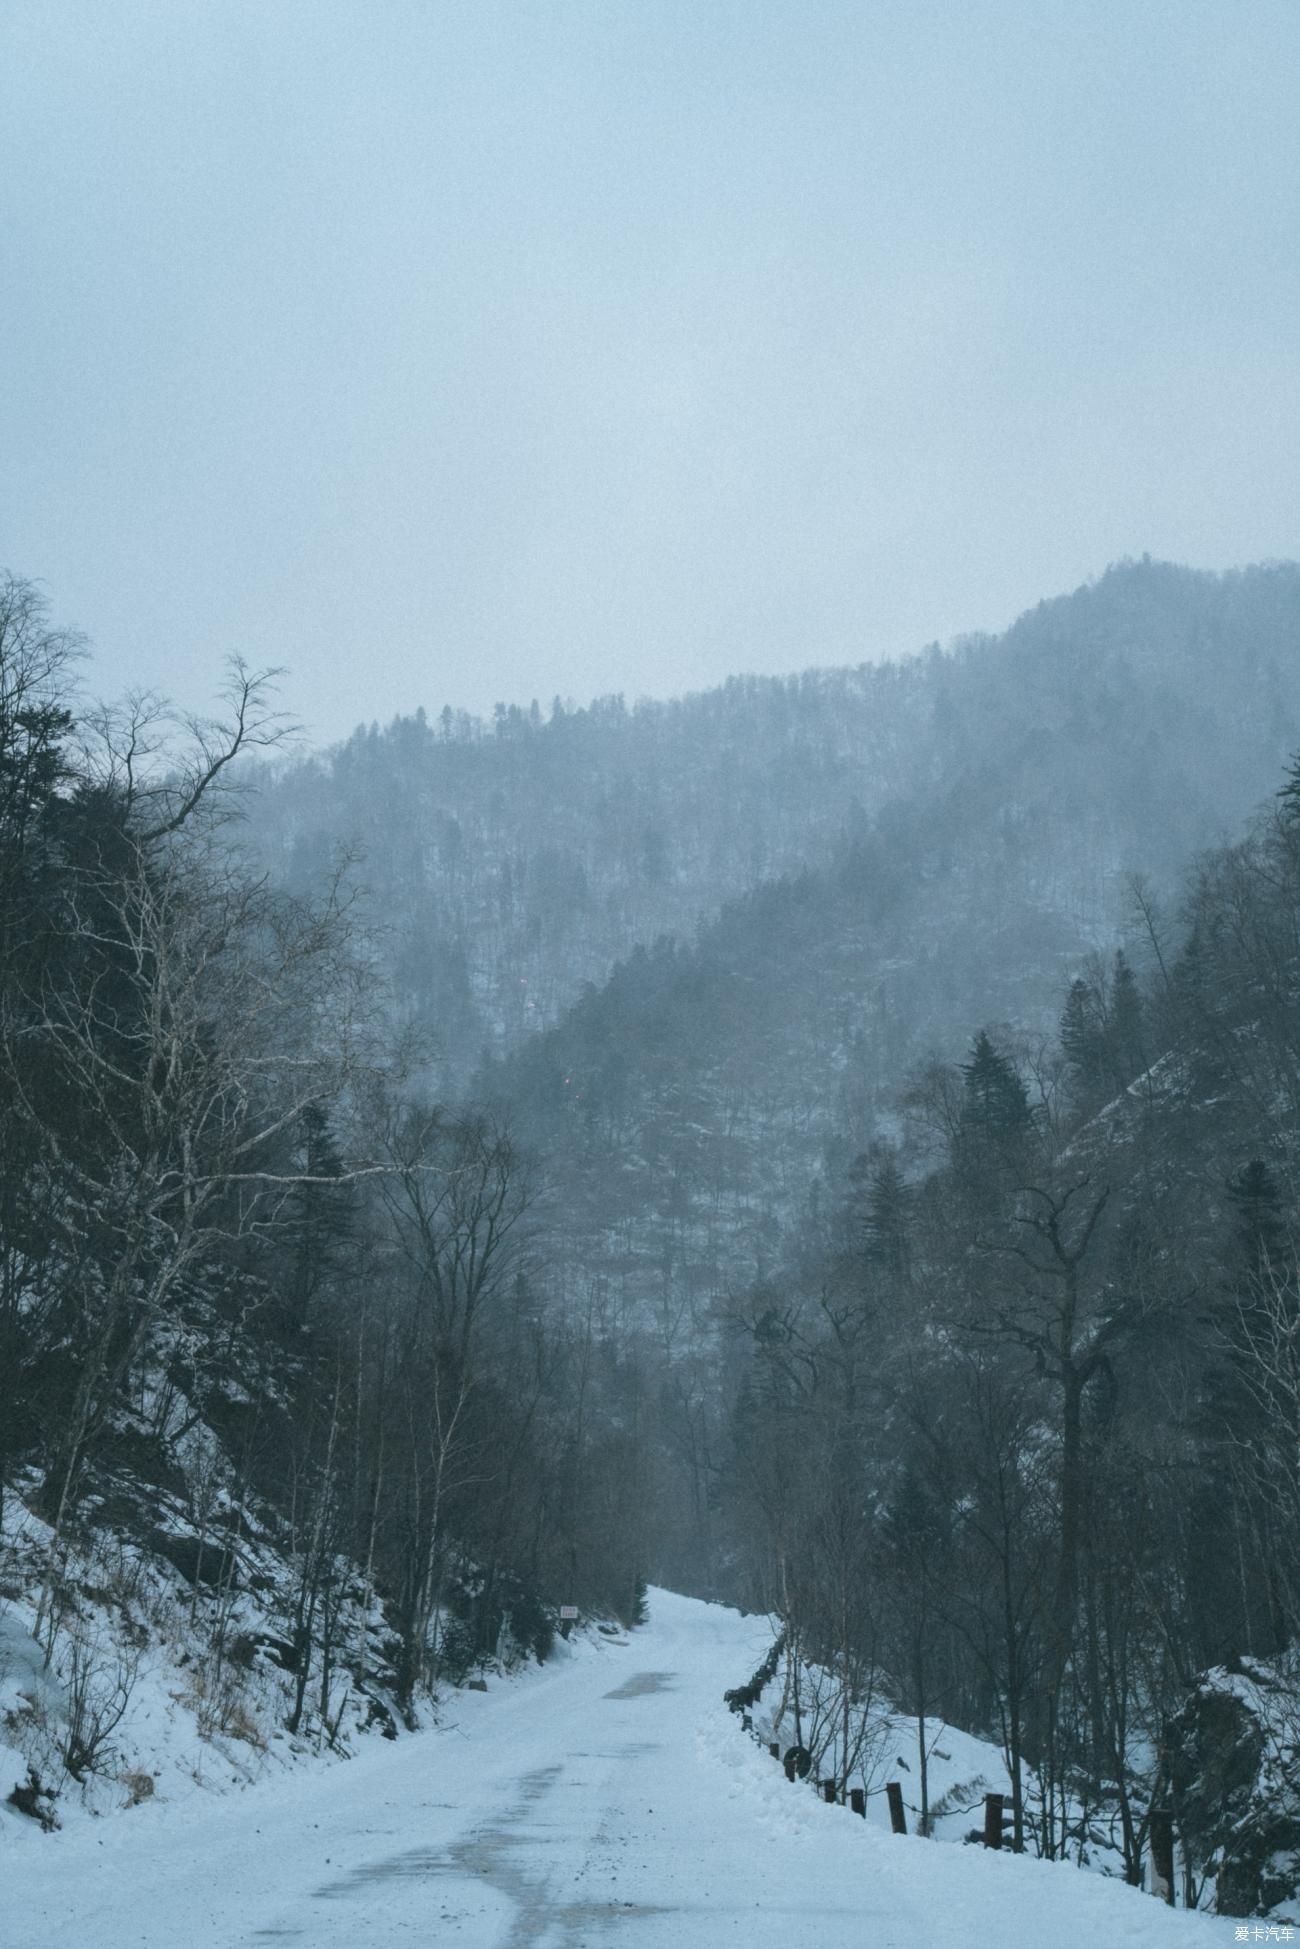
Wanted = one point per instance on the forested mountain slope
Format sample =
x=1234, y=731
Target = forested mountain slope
x=1019, y=1430
x=689, y=1108
x=1129, y=723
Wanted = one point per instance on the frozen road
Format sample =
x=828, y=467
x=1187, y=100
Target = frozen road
x=607, y=1802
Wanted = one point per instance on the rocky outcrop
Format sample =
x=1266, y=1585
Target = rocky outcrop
x=1233, y=1758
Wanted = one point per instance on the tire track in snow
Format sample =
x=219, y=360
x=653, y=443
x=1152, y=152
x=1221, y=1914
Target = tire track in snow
x=495, y=1854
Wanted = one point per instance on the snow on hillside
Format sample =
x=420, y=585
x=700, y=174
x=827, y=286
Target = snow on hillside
x=608, y=1797
x=156, y=1687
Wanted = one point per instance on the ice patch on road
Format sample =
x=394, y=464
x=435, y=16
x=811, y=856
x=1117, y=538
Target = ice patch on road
x=642, y=1683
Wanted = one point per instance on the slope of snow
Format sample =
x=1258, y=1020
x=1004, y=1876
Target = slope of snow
x=136, y=1645
x=607, y=1798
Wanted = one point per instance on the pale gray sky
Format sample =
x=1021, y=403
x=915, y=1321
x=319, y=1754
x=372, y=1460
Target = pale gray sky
x=465, y=351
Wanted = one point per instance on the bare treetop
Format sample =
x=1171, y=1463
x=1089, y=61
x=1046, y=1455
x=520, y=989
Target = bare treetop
x=133, y=749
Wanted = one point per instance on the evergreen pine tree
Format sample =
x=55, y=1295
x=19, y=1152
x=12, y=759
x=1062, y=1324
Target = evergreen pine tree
x=995, y=1105
x=1243, y=1443
x=322, y=1220
x=1289, y=798
x=1259, y=1243
x=1082, y=1039
x=886, y=1222
x=1196, y=1003
x=1125, y=1038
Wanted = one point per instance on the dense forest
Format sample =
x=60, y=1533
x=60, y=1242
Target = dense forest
x=266, y=1314
x=826, y=1144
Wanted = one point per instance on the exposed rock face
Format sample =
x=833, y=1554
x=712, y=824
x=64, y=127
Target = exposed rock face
x=1233, y=1752
x=199, y=1561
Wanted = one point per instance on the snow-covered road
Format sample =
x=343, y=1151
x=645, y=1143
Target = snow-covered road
x=606, y=1800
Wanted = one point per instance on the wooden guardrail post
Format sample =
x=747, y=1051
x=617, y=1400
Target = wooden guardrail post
x=1162, y=1854
x=828, y=1792
x=789, y=1765
x=774, y=1749
x=993, y=1819
x=858, y=1800
x=897, y=1815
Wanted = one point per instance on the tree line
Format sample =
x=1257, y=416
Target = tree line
x=253, y=1282
x=1017, y=1426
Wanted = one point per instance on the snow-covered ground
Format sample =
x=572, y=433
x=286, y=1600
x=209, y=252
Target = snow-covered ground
x=608, y=1798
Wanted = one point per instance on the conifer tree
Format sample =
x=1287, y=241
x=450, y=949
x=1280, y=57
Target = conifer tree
x=1083, y=1043
x=995, y=1104
x=320, y=1219
x=887, y=1220
x=1289, y=799
x=1260, y=1233
x=1242, y=1435
x=1125, y=1039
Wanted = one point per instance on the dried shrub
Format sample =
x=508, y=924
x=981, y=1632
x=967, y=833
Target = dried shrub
x=139, y=1786
x=217, y=1698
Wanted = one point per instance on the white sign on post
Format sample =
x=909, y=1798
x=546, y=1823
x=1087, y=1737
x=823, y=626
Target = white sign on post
x=568, y=1611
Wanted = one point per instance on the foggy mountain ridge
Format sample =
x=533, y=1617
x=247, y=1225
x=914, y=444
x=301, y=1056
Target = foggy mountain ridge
x=1125, y=725
x=692, y=950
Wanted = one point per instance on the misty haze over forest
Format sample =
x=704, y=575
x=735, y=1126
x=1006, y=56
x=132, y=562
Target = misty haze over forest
x=710, y=1132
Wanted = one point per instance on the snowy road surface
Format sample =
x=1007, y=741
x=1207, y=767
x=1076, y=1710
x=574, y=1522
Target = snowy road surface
x=608, y=1801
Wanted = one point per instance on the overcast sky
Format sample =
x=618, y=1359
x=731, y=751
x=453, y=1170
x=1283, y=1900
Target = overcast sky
x=476, y=351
